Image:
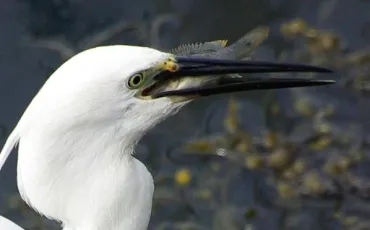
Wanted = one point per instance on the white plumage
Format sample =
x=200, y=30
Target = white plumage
x=6, y=224
x=77, y=137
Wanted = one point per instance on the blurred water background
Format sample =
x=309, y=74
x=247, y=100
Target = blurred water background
x=283, y=159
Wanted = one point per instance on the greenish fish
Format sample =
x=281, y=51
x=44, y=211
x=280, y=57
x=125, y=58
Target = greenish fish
x=240, y=49
x=213, y=67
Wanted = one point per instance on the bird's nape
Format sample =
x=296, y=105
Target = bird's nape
x=189, y=77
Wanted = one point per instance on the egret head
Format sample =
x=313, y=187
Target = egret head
x=130, y=89
x=97, y=106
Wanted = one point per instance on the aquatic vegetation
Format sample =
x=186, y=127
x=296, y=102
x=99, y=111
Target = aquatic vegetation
x=183, y=177
x=317, y=166
x=306, y=155
x=146, y=32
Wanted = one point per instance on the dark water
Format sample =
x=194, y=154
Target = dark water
x=24, y=67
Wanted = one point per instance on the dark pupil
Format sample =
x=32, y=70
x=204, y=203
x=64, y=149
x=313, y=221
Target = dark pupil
x=136, y=80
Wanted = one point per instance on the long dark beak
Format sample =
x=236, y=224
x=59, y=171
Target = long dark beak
x=195, y=74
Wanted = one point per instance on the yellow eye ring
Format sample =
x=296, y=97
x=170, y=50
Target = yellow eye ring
x=135, y=81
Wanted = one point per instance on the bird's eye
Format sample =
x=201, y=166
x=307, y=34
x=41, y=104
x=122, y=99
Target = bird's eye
x=135, y=81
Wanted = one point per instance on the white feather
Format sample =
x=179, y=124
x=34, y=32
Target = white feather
x=10, y=143
x=6, y=224
x=77, y=137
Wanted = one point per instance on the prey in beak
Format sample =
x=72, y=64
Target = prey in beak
x=188, y=77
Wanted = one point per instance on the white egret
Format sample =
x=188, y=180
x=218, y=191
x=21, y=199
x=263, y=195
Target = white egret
x=77, y=136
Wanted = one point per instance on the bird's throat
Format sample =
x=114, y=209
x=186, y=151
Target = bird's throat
x=84, y=184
